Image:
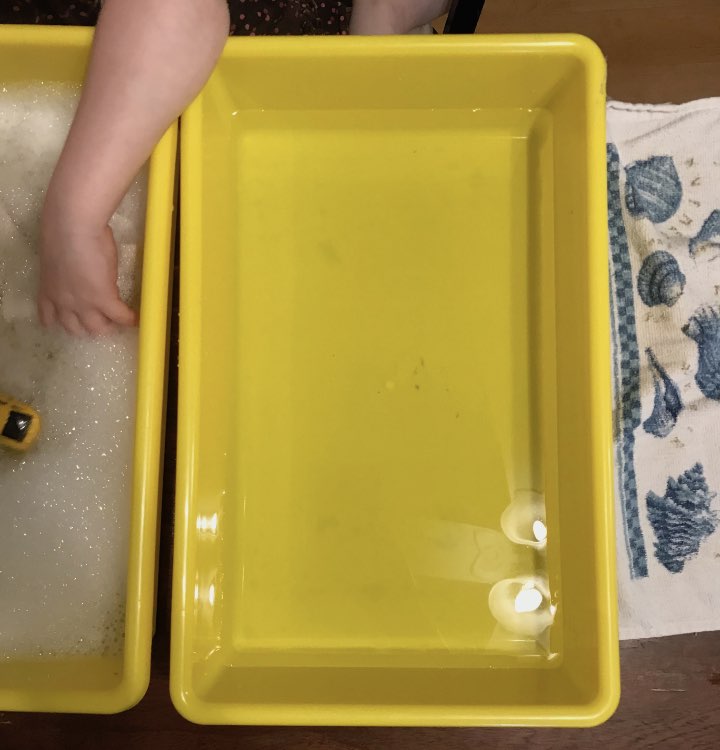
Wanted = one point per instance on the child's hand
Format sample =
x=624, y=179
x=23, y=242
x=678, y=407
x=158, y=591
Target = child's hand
x=394, y=16
x=78, y=277
x=149, y=59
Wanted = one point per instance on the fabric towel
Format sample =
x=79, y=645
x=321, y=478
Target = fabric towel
x=664, y=218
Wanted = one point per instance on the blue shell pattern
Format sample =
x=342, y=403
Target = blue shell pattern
x=660, y=280
x=709, y=234
x=653, y=188
x=667, y=404
x=704, y=329
x=681, y=518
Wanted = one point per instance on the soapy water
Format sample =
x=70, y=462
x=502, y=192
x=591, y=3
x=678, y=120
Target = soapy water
x=65, y=504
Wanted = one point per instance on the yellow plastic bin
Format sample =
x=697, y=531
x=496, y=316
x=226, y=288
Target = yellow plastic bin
x=394, y=476
x=109, y=684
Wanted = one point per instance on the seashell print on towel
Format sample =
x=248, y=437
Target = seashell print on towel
x=708, y=238
x=704, y=329
x=682, y=518
x=653, y=188
x=667, y=404
x=660, y=280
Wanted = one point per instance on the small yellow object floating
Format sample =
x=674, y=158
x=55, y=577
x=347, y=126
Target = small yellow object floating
x=19, y=424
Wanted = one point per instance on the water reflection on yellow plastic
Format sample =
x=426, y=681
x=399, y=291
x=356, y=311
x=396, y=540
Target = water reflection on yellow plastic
x=207, y=524
x=539, y=531
x=522, y=605
x=523, y=521
x=528, y=599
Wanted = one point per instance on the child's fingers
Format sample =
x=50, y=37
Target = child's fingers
x=120, y=313
x=97, y=324
x=46, y=311
x=71, y=323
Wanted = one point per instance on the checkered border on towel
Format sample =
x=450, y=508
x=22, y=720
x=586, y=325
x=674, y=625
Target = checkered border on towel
x=626, y=370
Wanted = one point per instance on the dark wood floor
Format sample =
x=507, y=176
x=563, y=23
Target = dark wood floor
x=670, y=700
x=658, y=51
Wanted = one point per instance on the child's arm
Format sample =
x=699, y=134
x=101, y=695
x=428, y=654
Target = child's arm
x=149, y=59
x=394, y=16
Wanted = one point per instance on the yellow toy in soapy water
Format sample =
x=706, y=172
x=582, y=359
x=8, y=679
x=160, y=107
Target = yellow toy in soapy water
x=19, y=424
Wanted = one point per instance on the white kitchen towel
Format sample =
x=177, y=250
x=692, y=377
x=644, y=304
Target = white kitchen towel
x=664, y=217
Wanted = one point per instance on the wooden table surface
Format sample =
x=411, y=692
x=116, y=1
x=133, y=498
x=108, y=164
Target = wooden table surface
x=658, y=51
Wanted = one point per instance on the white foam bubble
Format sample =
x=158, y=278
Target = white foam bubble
x=65, y=505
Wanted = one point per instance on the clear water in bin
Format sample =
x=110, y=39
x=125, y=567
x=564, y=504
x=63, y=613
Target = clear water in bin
x=391, y=420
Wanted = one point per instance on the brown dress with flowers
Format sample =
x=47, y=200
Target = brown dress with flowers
x=247, y=17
